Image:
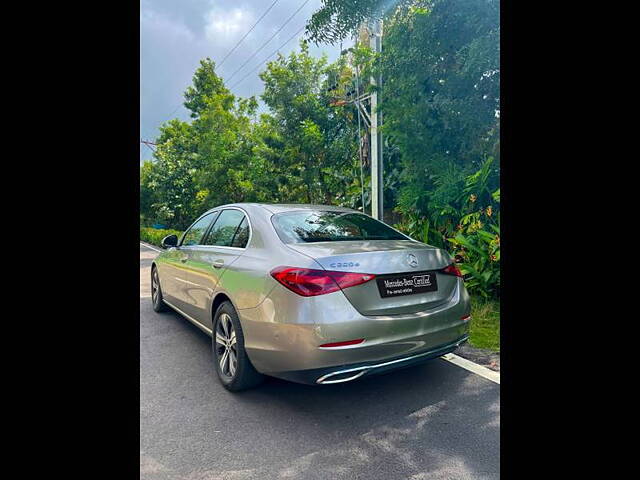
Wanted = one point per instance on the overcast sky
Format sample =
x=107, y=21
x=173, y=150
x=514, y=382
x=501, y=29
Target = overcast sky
x=176, y=35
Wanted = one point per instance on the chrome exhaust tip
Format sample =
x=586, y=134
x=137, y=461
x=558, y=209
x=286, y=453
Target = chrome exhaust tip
x=349, y=374
x=343, y=376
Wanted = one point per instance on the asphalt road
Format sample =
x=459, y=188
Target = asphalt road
x=436, y=421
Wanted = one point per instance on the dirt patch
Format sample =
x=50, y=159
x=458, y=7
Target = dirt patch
x=481, y=356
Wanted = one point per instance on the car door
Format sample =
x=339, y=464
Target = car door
x=223, y=244
x=174, y=269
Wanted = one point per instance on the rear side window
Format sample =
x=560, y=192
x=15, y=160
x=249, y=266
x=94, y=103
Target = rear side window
x=330, y=226
x=242, y=235
x=196, y=231
x=224, y=230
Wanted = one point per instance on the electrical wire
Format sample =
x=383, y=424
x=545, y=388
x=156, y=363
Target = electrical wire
x=270, y=38
x=245, y=35
x=257, y=51
x=267, y=58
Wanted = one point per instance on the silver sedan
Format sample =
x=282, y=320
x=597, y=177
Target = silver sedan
x=310, y=293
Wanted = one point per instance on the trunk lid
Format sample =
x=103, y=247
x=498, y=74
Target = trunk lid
x=386, y=259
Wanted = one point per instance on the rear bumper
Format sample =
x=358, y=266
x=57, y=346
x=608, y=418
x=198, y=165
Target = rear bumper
x=283, y=335
x=347, y=373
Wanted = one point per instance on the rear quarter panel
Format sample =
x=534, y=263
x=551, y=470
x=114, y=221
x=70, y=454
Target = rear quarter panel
x=248, y=281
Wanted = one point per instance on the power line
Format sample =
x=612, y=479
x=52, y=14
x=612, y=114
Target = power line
x=148, y=144
x=257, y=51
x=271, y=38
x=245, y=35
x=267, y=58
x=234, y=48
x=240, y=41
x=174, y=111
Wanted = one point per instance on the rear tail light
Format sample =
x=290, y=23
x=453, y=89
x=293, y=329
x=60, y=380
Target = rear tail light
x=309, y=282
x=452, y=270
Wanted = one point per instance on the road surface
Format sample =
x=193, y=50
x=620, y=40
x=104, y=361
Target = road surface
x=436, y=421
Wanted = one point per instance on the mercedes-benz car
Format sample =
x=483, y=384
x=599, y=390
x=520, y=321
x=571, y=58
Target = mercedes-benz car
x=310, y=293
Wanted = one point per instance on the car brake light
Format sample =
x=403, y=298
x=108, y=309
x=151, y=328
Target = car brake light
x=309, y=282
x=452, y=270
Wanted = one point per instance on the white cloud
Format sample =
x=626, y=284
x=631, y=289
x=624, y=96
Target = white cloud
x=227, y=25
x=158, y=22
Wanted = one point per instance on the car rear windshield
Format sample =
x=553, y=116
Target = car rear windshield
x=330, y=226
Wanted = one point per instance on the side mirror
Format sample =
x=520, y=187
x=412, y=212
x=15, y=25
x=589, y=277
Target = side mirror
x=169, y=241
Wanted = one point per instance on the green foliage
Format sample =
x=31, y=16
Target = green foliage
x=206, y=86
x=441, y=97
x=468, y=226
x=480, y=260
x=303, y=151
x=317, y=143
x=477, y=241
x=154, y=236
x=147, y=194
x=337, y=19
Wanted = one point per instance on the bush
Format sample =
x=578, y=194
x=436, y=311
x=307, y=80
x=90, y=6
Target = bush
x=155, y=236
x=479, y=256
x=467, y=225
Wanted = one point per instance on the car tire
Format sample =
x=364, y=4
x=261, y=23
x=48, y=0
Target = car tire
x=234, y=370
x=156, y=292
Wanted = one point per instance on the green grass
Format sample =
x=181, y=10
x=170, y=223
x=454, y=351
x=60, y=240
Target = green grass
x=485, y=324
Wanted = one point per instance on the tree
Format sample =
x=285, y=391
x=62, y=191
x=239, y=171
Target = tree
x=317, y=142
x=206, y=84
x=172, y=177
x=337, y=19
x=440, y=98
x=441, y=94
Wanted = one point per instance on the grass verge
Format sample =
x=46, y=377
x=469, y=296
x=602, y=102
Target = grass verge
x=485, y=324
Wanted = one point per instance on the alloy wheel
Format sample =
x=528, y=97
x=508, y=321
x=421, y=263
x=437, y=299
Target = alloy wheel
x=226, y=348
x=155, y=287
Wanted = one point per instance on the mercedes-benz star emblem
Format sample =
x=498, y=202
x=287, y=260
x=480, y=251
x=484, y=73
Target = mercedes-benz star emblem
x=412, y=260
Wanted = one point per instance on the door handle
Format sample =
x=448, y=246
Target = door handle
x=218, y=264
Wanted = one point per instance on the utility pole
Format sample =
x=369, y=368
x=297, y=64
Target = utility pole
x=377, y=207
x=367, y=109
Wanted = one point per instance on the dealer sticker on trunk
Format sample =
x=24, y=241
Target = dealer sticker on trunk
x=407, y=284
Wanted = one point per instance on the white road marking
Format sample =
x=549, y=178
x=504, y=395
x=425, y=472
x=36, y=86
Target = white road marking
x=149, y=246
x=473, y=367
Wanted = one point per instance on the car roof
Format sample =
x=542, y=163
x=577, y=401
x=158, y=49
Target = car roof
x=287, y=207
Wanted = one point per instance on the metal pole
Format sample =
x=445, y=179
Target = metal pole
x=377, y=207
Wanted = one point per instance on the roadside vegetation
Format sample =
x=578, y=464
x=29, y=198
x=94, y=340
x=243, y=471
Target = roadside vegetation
x=154, y=236
x=440, y=103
